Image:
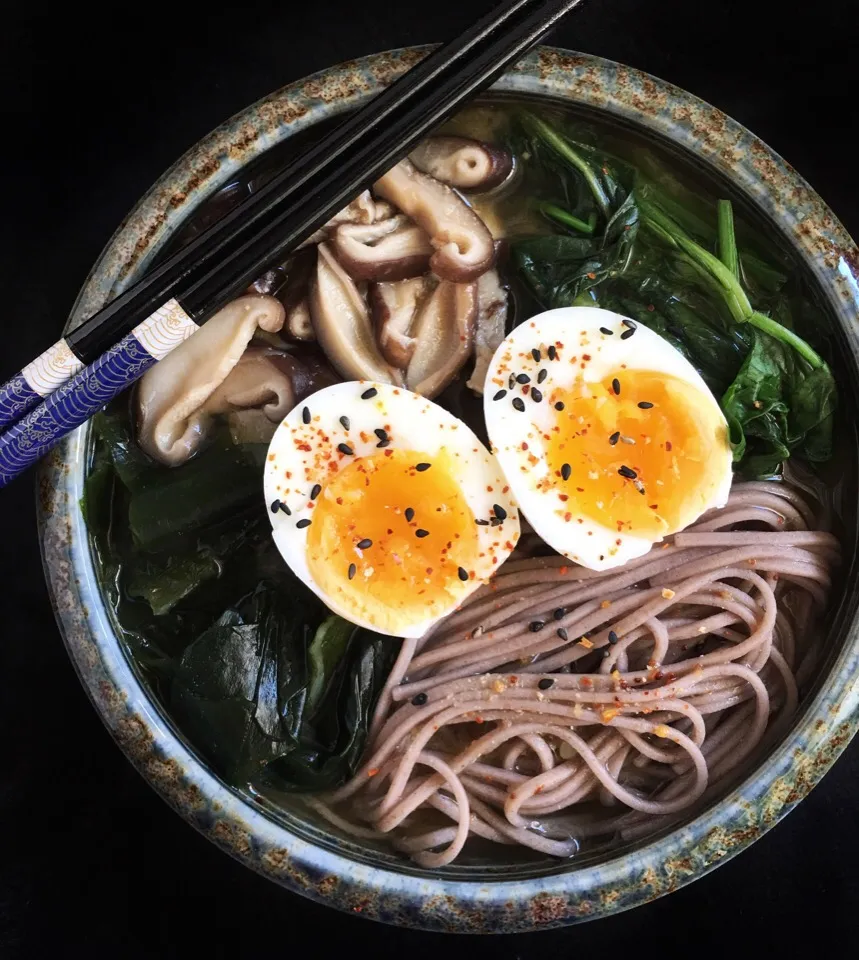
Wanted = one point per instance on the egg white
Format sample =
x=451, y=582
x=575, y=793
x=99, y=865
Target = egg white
x=414, y=423
x=578, y=328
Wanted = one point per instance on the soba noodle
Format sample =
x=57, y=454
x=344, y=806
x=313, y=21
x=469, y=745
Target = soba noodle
x=560, y=703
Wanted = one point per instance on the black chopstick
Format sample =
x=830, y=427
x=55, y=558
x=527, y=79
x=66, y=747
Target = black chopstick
x=324, y=191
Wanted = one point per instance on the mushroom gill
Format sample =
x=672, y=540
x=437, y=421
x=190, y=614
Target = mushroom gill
x=463, y=246
x=172, y=421
x=342, y=323
x=443, y=333
x=462, y=162
x=393, y=249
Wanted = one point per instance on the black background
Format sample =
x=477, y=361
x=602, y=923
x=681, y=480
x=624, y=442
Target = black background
x=94, y=110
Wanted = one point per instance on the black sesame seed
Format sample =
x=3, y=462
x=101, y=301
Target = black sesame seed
x=496, y=522
x=566, y=471
x=606, y=331
x=535, y=353
x=305, y=415
x=614, y=437
x=352, y=570
x=364, y=544
x=482, y=523
x=499, y=511
x=384, y=443
x=345, y=448
x=629, y=323
x=419, y=699
x=286, y=509
x=541, y=376
x=380, y=433
x=317, y=489
x=615, y=385
x=535, y=626
x=559, y=405
x=463, y=574
x=612, y=636
x=546, y=683
x=523, y=378
x=303, y=523
x=645, y=404
x=628, y=472
x=369, y=394
x=421, y=533
x=420, y=467
x=519, y=404
x=536, y=396
x=627, y=334
x=275, y=506
x=562, y=633
x=345, y=423
x=559, y=613
x=553, y=353
x=500, y=395
x=511, y=381
x=410, y=514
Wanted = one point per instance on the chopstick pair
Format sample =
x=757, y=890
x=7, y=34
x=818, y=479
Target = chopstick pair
x=77, y=376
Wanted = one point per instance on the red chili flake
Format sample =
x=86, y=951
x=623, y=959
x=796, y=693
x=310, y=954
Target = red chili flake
x=567, y=517
x=305, y=447
x=618, y=541
x=668, y=445
x=513, y=679
x=563, y=496
x=505, y=490
x=524, y=445
x=526, y=388
x=478, y=719
x=586, y=356
x=563, y=571
x=592, y=276
x=373, y=772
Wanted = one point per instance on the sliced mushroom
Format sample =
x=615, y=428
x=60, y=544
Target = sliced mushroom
x=462, y=162
x=299, y=325
x=363, y=209
x=394, y=307
x=262, y=380
x=463, y=245
x=393, y=249
x=490, y=327
x=172, y=421
x=444, y=332
x=262, y=388
x=342, y=324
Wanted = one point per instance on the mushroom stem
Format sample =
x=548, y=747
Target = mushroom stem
x=463, y=246
x=462, y=162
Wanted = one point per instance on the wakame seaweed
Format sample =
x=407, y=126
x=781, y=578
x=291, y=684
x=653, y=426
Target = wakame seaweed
x=636, y=243
x=275, y=699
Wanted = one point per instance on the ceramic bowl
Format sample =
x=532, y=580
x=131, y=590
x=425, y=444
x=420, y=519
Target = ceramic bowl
x=287, y=849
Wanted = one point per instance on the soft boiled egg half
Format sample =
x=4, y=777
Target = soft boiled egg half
x=609, y=438
x=386, y=506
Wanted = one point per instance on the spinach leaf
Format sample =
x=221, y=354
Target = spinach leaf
x=271, y=704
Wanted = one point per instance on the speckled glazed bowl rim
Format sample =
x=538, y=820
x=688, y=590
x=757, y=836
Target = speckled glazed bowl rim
x=827, y=723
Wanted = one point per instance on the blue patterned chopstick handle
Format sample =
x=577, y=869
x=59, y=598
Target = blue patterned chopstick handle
x=89, y=390
x=36, y=381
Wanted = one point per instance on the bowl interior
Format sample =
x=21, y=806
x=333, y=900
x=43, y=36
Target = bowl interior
x=727, y=161
x=483, y=861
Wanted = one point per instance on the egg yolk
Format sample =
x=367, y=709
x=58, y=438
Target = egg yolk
x=393, y=537
x=635, y=452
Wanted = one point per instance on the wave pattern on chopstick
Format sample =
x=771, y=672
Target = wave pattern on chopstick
x=91, y=388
